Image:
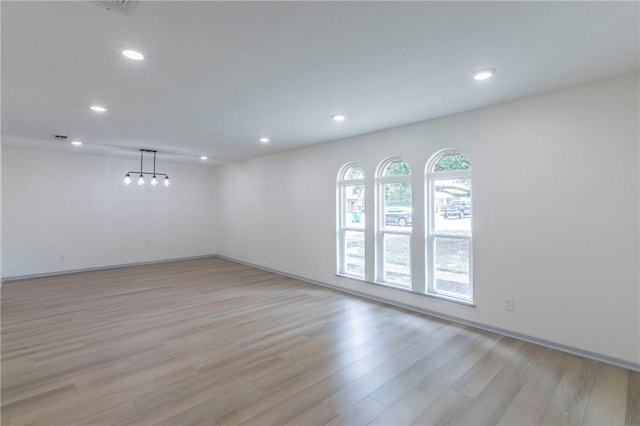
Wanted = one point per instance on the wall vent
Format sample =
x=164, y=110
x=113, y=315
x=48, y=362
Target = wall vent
x=57, y=137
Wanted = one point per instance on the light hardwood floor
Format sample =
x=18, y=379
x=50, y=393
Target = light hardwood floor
x=210, y=341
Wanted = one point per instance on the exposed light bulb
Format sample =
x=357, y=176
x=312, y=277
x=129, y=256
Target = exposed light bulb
x=338, y=117
x=264, y=140
x=154, y=180
x=127, y=179
x=166, y=181
x=98, y=108
x=141, y=180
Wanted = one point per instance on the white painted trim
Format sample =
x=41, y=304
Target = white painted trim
x=101, y=268
x=381, y=228
x=431, y=234
x=520, y=336
x=341, y=224
x=504, y=332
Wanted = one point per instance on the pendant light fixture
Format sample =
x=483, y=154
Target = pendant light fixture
x=141, y=173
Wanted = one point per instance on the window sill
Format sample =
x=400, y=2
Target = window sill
x=407, y=290
x=450, y=299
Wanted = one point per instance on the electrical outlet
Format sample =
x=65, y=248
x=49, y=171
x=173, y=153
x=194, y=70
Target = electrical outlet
x=316, y=265
x=62, y=258
x=508, y=304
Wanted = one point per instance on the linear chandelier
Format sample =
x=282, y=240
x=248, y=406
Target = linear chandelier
x=154, y=179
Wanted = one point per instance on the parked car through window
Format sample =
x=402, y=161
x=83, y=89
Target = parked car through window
x=400, y=216
x=456, y=208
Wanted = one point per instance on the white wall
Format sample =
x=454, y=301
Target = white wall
x=555, y=220
x=556, y=213
x=65, y=211
x=1, y=212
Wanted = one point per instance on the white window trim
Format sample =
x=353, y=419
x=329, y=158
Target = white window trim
x=381, y=230
x=342, y=228
x=431, y=234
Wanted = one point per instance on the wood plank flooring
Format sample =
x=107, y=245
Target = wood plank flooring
x=209, y=341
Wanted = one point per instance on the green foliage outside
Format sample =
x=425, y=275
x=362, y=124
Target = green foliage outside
x=451, y=257
x=355, y=248
x=355, y=191
x=397, y=194
x=452, y=162
x=397, y=168
x=397, y=258
x=353, y=173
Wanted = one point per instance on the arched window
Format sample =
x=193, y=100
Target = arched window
x=351, y=221
x=449, y=213
x=393, y=252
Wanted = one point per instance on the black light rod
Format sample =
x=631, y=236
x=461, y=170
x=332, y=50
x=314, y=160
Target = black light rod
x=149, y=173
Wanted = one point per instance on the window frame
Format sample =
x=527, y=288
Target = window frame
x=381, y=229
x=342, y=228
x=431, y=177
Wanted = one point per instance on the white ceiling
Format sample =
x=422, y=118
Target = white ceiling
x=218, y=75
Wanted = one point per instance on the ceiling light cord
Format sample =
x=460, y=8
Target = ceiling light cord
x=141, y=177
x=154, y=179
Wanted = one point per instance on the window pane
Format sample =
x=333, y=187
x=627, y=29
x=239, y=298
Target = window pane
x=452, y=162
x=353, y=173
x=354, y=206
x=397, y=168
x=397, y=204
x=354, y=253
x=397, y=259
x=452, y=206
x=452, y=267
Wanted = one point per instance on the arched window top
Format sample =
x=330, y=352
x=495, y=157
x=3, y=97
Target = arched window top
x=449, y=217
x=351, y=171
x=449, y=161
x=396, y=167
x=351, y=221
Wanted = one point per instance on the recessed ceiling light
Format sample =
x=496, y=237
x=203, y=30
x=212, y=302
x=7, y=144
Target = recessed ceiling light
x=76, y=143
x=133, y=54
x=338, y=117
x=98, y=108
x=264, y=140
x=483, y=74
x=204, y=157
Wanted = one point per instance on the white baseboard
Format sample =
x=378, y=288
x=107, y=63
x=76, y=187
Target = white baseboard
x=542, y=342
x=520, y=336
x=100, y=268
